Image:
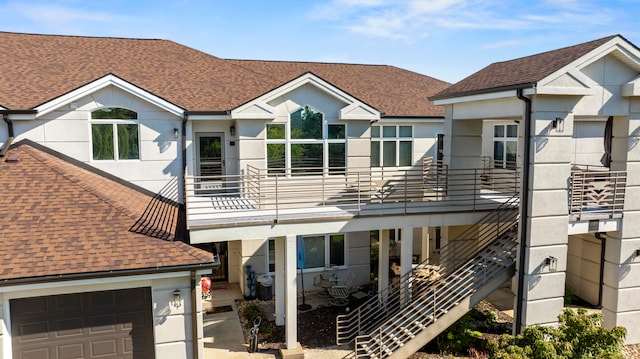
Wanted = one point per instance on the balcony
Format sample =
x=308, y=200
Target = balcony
x=596, y=193
x=318, y=194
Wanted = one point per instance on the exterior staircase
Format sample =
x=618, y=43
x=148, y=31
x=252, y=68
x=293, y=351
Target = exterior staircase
x=404, y=317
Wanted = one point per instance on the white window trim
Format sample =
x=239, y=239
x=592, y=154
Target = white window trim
x=504, y=139
x=114, y=124
x=381, y=139
x=288, y=141
x=327, y=253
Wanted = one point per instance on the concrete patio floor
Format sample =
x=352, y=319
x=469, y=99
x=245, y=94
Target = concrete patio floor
x=223, y=336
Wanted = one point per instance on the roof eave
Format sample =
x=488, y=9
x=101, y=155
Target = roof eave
x=105, y=274
x=523, y=85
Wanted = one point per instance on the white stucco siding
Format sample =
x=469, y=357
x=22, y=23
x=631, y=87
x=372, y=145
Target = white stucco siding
x=583, y=267
x=308, y=95
x=588, y=143
x=68, y=130
x=495, y=108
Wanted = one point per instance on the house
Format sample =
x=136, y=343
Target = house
x=361, y=168
x=92, y=266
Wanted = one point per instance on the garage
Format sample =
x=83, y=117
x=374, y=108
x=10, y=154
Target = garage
x=103, y=324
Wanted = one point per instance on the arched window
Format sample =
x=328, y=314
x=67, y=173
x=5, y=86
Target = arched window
x=309, y=145
x=114, y=134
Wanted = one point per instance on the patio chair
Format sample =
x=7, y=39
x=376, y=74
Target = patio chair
x=341, y=291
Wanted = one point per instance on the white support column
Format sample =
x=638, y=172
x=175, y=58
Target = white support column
x=406, y=253
x=406, y=250
x=383, y=261
x=425, y=248
x=280, y=281
x=291, y=288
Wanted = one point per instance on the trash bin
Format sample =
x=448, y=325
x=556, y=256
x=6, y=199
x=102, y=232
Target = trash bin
x=265, y=282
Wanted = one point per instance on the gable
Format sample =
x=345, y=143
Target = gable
x=102, y=83
x=307, y=89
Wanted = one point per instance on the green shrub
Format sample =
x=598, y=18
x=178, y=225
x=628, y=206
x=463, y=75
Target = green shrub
x=579, y=336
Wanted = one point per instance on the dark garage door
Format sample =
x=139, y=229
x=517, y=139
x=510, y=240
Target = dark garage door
x=105, y=324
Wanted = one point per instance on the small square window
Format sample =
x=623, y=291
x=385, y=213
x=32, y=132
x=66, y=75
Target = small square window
x=388, y=131
x=375, y=132
x=275, y=131
x=336, y=132
x=406, y=131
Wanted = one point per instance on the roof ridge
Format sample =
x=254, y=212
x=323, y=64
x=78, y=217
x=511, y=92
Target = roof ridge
x=82, y=36
x=607, y=38
x=310, y=62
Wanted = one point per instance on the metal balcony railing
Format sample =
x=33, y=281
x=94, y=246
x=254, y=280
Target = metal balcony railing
x=325, y=192
x=596, y=193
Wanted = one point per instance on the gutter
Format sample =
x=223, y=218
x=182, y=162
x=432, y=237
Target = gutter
x=194, y=317
x=603, y=246
x=5, y=117
x=95, y=275
x=524, y=206
x=517, y=87
x=183, y=206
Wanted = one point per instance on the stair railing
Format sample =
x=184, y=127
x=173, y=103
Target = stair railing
x=388, y=302
x=441, y=297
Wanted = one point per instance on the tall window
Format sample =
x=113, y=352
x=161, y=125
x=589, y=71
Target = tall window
x=308, y=146
x=114, y=134
x=320, y=251
x=391, y=146
x=505, y=146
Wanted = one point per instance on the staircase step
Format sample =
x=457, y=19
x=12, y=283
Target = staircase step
x=370, y=352
x=403, y=329
x=383, y=346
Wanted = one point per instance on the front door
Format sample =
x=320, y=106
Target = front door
x=210, y=160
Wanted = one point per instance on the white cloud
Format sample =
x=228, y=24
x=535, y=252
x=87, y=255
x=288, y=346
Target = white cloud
x=408, y=19
x=63, y=18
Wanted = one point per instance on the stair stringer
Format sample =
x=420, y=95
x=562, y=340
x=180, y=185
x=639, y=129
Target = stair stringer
x=448, y=319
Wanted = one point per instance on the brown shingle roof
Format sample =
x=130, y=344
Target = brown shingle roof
x=389, y=89
x=43, y=67
x=60, y=219
x=522, y=71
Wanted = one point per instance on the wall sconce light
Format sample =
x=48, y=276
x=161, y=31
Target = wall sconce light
x=556, y=121
x=232, y=130
x=177, y=299
x=637, y=253
x=175, y=133
x=552, y=263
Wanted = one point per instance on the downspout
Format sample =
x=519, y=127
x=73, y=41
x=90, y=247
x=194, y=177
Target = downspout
x=7, y=144
x=183, y=138
x=194, y=317
x=524, y=205
x=603, y=245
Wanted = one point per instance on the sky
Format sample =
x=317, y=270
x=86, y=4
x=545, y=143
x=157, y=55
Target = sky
x=445, y=39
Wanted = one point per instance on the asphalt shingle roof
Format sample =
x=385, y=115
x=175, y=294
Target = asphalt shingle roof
x=43, y=67
x=60, y=219
x=524, y=70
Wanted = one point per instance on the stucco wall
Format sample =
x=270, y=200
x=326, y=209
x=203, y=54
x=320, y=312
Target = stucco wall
x=68, y=131
x=583, y=267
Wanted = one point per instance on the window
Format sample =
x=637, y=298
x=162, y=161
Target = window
x=391, y=146
x=505, y=146
x=320, y=251
x=114, y=134
x=308, y=146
